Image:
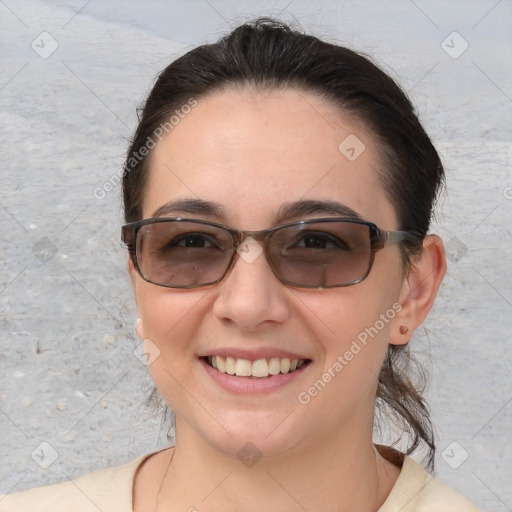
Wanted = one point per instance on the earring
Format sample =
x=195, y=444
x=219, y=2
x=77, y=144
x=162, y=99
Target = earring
x=138, y=325
x=403, y=329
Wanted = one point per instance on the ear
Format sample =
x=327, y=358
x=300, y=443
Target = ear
x=139, y=328
x=419, y=290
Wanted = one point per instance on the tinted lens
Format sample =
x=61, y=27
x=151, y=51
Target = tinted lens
x=321, y=254
x=183, y=253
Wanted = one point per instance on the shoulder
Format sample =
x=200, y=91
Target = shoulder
x=106, y=489
x=417, y=491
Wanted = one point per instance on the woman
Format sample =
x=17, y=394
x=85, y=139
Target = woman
x=278, y=193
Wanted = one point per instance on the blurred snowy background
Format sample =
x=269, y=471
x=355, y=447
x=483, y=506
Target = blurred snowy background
x=72, y=392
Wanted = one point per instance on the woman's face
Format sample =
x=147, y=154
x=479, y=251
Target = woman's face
x=253, y=154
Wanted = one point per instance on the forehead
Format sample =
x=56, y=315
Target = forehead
x=252, y=152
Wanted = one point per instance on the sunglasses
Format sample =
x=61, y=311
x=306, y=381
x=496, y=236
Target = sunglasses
x=316, y=253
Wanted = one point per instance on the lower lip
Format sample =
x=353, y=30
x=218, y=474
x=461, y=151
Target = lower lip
x=246, y=385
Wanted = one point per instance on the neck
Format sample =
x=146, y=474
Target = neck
x=343, y=474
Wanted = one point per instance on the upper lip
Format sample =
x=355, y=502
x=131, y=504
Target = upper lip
x=253, y=354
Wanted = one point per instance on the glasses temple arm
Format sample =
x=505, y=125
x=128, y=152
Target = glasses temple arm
x=394, y=237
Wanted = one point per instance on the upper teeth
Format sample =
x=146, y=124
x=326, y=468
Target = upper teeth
x=258, y=368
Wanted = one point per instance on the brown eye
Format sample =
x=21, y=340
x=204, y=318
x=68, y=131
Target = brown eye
x=321, y=241
x=193, y=240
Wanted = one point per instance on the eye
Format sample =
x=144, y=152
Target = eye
x=320, y=240
x=193, y=240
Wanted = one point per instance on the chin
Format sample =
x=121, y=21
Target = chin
x=249, y=433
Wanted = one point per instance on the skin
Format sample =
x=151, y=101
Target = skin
x=252, y=152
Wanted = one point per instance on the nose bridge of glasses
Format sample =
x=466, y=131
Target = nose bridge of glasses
x=250, y=253
x=240, y=235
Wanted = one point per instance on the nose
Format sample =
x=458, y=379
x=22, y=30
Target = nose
x=251, y=296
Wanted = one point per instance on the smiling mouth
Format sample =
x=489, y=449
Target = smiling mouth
x=260, y=368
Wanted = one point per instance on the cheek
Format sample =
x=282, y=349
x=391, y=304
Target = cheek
x=352, y=353
x=355, y=322
x=170, y=322
x=167, y=315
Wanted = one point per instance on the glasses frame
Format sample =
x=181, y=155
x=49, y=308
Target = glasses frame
x=378, y=240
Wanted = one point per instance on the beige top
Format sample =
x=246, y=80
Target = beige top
x=110, y=490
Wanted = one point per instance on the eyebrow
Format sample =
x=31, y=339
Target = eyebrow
x=190, y=206
x=303, y=208
x=287, y=212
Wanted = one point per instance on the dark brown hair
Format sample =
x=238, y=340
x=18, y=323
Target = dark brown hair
x=267, y=54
